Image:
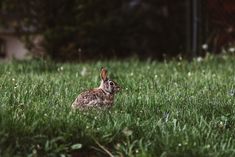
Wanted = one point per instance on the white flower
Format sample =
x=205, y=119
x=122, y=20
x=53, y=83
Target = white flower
x=199, y=59
x=204, y=46
x=127, y=132
x=189, y=74
x=60, y=68
x=79, y=50
x=84, y=71
x=221, y=124
x=232, y=92
x=180, y=58
x=232, y=49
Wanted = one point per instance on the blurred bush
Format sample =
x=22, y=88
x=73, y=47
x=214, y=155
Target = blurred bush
x=81, y=29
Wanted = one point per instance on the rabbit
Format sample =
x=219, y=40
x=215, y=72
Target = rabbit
x=101, y=97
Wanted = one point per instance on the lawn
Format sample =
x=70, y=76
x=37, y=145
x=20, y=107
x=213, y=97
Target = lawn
x=170, y=108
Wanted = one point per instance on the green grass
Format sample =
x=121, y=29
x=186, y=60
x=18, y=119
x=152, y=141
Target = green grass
x=174, y=108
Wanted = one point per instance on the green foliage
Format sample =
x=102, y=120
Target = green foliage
x=78, y=29
x=171, y=108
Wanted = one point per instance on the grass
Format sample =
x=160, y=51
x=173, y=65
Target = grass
x=174, y=108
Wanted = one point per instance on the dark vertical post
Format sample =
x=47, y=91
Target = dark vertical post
x=188, y=22
x=195, y=28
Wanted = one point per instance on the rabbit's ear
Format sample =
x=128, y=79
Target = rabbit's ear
x=103, y=74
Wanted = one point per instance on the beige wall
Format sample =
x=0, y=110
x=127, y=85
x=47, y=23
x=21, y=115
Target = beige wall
x=14, y=47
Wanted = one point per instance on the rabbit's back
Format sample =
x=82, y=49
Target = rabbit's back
x=93, y=98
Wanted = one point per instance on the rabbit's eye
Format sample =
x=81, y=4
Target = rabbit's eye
x=111, y=83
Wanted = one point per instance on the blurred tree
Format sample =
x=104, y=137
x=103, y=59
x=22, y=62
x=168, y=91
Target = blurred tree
x=90, y=28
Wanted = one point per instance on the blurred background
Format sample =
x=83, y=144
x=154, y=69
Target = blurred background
x=77, y=30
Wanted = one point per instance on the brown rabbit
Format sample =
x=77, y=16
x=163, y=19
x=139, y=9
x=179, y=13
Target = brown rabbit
x=103, y=96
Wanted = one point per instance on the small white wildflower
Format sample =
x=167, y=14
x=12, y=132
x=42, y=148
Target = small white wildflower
x=79, y=50
x=38, y=146
x=13, y=79
x=232, y=49
x=199, y=59
x=204, y=46
x=84, y=71
x=118, y=145
x=189, y=74
x=60, y=69
x=127, y=132
x=180, y=58
x=179, y=144
x=62, y=155
x=155, y=76
x=221, y=124
x=34, y=151
x=136, y=151
x=232, y=92
x=131, y=74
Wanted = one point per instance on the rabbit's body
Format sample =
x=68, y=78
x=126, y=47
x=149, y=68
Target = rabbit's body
x=94, y=98
x=100, y=97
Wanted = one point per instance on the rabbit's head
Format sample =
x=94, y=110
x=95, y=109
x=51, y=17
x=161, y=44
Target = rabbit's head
x=108, y=85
